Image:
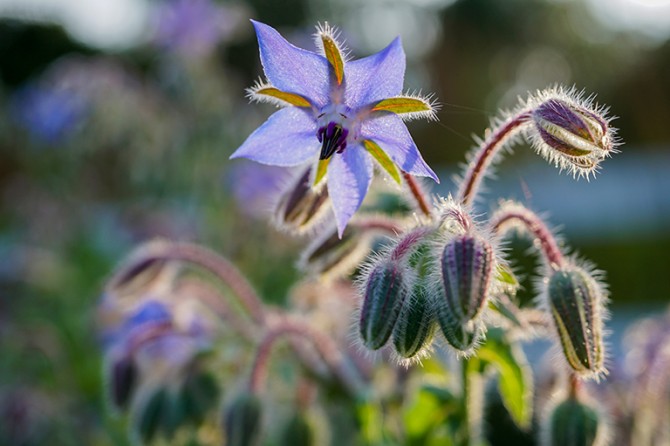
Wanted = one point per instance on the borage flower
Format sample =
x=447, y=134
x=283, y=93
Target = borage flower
x=338, y=115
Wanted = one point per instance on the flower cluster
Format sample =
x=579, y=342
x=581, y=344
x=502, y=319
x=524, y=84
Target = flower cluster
x=439, y=278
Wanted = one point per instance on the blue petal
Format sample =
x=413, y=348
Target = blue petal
x=287, y=138
x=349, y=177
x=375, y=77
x=293, y=69
x=390, y=132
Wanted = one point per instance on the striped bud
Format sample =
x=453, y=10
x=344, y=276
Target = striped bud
x=467, y=269
x=330, y=255
x=570, y=132
x=160, y=412
x=575, y=301
x=416, y=323
x=242, y=421
x=302, y=206
x=462, y=336
x=385, y=293
x=575, y=423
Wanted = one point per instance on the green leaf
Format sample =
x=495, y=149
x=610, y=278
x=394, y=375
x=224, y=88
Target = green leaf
x=505, y=275
x=515, y=380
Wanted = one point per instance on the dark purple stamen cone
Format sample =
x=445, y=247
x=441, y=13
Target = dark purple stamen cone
x=333, y=138
x=385, y=293
x=575, y=302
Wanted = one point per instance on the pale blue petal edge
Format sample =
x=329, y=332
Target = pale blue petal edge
x=287, y=138
x=349, y=178
x=292, y=69
x=375, y=77
x=390, y=132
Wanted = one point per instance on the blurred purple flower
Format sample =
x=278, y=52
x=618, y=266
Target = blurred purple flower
x=336, y=113
x=192, y=26
x=256, y=186
x=49, y=113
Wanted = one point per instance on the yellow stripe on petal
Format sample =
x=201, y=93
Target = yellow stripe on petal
x=383, y=159
x=334, y=56
x=404, y=104
x=321, y=169
x=290, y=98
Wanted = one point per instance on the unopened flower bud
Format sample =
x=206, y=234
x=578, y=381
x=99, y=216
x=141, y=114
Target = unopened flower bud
x=570, y=132
x=575, y=423
x=123, y=376
x=298, y=432
x=332, y=256
x=242, y=421
x=302, y=206
x=467, y=266
x=416, y=324
x=464, y=337
x=576, y=301
x=160, y=412
x=199, y=394
x=385, y=292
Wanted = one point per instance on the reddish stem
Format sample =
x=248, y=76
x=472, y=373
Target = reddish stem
x=485, y=156
x=533, y=224
x=419, y=195
x=326, y=347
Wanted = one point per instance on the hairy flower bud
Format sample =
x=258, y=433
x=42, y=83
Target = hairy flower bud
x=575, y=423
x=467, y=269
x=242, y=421
x=159, y=412
x=576, y=302
x=332, y=256
x=302, y=206
x=385, y=293
x=570, y=132
x=416, y=323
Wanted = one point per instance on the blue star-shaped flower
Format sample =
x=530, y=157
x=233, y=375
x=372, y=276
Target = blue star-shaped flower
x=338, y=114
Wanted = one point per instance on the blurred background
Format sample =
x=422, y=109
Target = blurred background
x=117, y=118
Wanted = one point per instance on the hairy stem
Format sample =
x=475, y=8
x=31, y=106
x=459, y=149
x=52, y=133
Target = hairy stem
x=420, y=196
x=202, y=257
x=326, y=347
x=485, y=155
x=512, y=216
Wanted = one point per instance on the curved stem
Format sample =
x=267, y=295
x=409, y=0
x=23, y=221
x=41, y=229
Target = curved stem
x=574, y=386
x=514, y=215
x=327, y=349
x=202, y=257
x=377, y=223
x=421, y=199
x=486, y=153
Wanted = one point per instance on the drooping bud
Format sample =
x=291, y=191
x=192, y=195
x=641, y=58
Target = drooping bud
x=297, y=432
x=199, y=394
x=384, y=295
x=301, y=206
x=464, y=337
x=416, y=325
x=467, y=267
x=123, y=376
x=159, y=412
x=575, y=423
x=332, y=256
x=576, y=302
x=242, y=422
x=570, y=132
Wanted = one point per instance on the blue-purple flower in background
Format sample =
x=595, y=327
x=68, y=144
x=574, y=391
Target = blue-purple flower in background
x=338, y=115
x=193, y=27
x=50, y=113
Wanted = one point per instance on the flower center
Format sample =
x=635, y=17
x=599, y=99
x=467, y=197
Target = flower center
x=334, y=129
